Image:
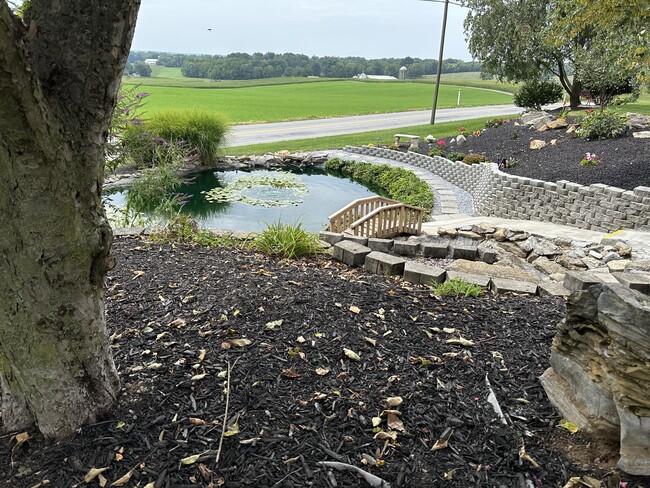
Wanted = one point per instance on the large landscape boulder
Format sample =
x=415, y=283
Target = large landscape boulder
x=599, y=377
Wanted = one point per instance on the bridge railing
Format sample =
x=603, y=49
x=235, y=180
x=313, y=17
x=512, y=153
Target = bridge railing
x=389, y=221
x=344, y=218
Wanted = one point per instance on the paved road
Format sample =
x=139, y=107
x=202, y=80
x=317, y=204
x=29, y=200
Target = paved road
x=243, y=135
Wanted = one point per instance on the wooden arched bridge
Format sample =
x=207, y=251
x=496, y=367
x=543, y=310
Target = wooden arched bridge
x=377, y=217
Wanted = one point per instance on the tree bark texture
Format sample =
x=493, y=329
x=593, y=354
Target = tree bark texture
x=60, y=68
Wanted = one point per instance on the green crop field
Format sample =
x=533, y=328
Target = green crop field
x=313, y=100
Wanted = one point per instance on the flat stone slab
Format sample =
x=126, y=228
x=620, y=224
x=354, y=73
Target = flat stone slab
x=406, y=248
x=634, y=281
x=358, y=239
x=350, y=253
x=552, y=289
x=330, y=237
x=384, y=264
x=423, y=274
x=504, y=285
x=479, y=280
x=437, y=250
x=492, y=271
x=381, y=245
x=581, y=280
x=463, y=252
x=547, y=266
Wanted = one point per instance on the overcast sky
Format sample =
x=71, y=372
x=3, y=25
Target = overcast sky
x=367, y=28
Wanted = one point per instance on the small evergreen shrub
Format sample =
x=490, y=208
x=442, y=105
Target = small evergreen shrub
x=474, y=158
x=457, y=287
x=456, y=156
x=602, y=124
x=534, y=94
x=437, y=151
x=286, y=241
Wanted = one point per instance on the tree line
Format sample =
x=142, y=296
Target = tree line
x=243, y=66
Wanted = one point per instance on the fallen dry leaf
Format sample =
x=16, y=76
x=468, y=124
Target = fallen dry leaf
x=240, y=342
x=370, y=341
x=386, y=436
x=394, y=422
x=290, y=373
x=93, y=473
x=355, y=309
x=190, y=459
x=322, y=371
x=124, y=479
x=394, y=401
x=351, y=354
x=462, y=341
x=440, y=444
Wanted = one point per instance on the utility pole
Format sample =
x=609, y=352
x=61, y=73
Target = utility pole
x=439, y=72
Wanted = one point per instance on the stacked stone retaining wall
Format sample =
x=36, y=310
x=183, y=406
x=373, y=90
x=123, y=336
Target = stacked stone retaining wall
x=596, y=207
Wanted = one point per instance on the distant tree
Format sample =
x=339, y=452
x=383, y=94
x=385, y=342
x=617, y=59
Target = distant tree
x=416, y=70
x=142, y=69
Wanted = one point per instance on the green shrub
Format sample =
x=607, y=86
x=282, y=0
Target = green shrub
x=474, y=158
x=534, y=94
x=396, y=183
x=415, y=150
x=494, y=123
x=204, y=131
x=437, y=151
x=183, y=229
x=602, y=124
x=286, y=241
x=393, y=147
x=456, y=156
x=457, y=287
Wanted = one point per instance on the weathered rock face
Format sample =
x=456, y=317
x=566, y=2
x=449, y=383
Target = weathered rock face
x=600, y=375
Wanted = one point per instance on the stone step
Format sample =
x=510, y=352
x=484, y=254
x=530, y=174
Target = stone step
x=552, y=288
x=350, y=253
x=384, y=264
x=423, y=274
x=406, y=248
x=504, y=285
x=479, y=280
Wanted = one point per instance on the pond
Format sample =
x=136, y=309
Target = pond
x=293, y=195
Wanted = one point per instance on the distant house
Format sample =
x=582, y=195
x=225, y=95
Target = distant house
x=151, y=61
x=363, y=76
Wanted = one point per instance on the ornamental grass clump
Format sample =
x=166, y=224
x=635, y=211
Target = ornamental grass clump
x=457, y=287
x=201, y=130
x=286, y=241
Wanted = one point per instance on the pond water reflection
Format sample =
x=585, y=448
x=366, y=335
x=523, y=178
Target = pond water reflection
x=326, y=193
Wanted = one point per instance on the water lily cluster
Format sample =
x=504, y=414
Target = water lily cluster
x=278, y=190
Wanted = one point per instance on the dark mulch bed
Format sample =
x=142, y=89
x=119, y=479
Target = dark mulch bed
x=174, y=312
x=625, y=161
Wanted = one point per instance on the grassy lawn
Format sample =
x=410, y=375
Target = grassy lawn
x=472, y=79
x=384, y=136
x=313, y=100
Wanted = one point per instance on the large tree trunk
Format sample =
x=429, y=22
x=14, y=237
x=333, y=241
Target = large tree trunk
x=59, y=76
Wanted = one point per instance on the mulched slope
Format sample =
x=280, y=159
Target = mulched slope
x=625, y=160
x=173, y=312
